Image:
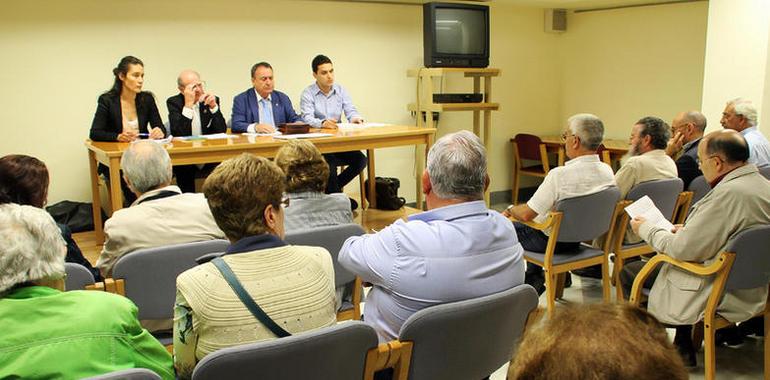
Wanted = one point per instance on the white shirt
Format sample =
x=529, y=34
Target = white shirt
x=579, y=176
x=759, y=148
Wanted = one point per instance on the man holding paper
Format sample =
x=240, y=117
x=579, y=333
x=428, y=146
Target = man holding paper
x=322, y=105
x=739, y=199
x=193, y=112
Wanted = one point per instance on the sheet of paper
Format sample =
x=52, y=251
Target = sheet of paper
x=354, y=126
x=304, y=136
x=276, y=133
x=645, y=208
x=159, y=141
x=213, y=136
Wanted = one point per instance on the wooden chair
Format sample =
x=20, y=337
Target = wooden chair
x=744, y=265
x=332, y=238
x=568, y=223
x=527, y=147
x=463, y=340
x=344, y=351
x=604, y=155
x=668, y=197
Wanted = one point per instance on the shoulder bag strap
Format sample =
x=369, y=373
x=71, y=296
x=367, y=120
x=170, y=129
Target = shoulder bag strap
x=257, y=311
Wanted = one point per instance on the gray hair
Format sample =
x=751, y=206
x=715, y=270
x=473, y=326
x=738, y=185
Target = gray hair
x=588, y=128
x=744, y=107
x=146, y=165
x=31, y=246
x=457, y=166
x=179, y=78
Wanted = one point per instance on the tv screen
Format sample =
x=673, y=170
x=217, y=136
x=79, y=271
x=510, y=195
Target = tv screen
x=460, y=31
x=456, y=35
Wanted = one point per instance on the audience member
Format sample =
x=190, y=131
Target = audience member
x=457, y=250
x=161, y=215
x=294, y=285
x=688, y=130
x=48, y=333
x=306, y=175
x=24, y=180
x=193, y=112
x=741, y=115
x=260, y=109
x=583, y=174
x=600, y=342
x=126, y=113
x=322, y=105
x=739, y=198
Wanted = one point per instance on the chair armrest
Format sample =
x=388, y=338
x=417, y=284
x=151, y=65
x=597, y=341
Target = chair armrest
x=547, y=223
x=698, y=269
x=682, y=207
x=394, y=354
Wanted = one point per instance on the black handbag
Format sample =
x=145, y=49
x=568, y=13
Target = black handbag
x=78, y=216
x=386, y=189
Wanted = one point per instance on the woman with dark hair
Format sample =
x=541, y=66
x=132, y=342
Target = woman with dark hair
x=24, y=180
x=124, y=112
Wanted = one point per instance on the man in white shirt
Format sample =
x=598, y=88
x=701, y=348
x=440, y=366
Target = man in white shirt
x=741, y=115
x=583, y=174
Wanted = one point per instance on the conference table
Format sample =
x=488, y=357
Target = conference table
x=184, y=152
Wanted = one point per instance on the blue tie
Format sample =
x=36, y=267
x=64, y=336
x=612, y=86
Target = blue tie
x=266, y=113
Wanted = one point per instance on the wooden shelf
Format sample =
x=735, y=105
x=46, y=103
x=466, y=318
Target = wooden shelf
x=446, y=107
x=440, y=71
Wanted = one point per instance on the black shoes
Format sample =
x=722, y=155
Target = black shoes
x=353, y=204
x=592, y=272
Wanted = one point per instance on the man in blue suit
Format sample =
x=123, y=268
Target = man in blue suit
x=260, y=109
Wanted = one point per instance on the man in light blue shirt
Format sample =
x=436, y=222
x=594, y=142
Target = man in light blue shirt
x=457, y=250
x=741, y=115
x=322, y=105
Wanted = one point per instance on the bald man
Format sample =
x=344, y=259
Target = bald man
x=688, y=130
x=193, y=112
x=739, y=199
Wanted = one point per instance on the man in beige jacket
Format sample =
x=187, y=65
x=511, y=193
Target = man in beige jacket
x=739, y=199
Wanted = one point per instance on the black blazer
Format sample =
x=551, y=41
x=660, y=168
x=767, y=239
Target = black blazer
x=108, y=119
x=182, y=126
x=687, y=164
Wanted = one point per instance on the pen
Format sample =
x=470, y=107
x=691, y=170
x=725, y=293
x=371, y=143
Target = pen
x=144, y=135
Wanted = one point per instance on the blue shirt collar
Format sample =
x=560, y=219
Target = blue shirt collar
x=317, y=90
x=747, y=130
x=255, y=243
x=449, y=213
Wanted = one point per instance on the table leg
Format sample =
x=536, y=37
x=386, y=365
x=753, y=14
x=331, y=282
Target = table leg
x=370, y=174
x=116, y=194
x=95, y=198
x=419, y=163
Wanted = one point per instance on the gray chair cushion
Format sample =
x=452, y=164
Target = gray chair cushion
x=588, y=216
x=128, y=374
x=699, y=187
x=765, y=171
x=336, y=352
x=331, y=238
x=150, y=274
x=582, y=253
x=78, y=277
x=751, y=268
x=468, y=339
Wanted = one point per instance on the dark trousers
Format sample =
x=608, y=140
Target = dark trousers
x=536, y=241
x=128, y=196
x=629, y=273
x=185, y=175
x=355, y=162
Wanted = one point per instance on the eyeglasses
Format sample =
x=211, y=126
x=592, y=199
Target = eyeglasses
x=285, y=201
x=700, y=162
x=200, y=84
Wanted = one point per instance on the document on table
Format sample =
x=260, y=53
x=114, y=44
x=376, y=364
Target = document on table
x=276, y=133
x=645, y=208
x=213, y=136
x=303, y=136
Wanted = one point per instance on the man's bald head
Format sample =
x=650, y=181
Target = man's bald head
x=729, y=145
x=146, y=166
x=696, y=118
x=186, y=77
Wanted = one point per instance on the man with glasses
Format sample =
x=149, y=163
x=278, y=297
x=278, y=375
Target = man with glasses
x=739, y=199
x=741, y=115
x=193, y=112
x=688, y=130
x=583, y=174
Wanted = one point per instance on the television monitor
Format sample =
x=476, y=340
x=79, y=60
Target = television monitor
x=455, y=35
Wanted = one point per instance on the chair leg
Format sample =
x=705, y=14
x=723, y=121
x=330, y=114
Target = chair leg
x=767, y=347
x=606, y=281
x=362, y=189
x=709, y=361
x=616, y=279
x=515, y=187
x=550, y=292
x=561, y=279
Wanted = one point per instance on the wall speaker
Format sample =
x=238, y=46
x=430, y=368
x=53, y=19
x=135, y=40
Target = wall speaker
x=555, y=20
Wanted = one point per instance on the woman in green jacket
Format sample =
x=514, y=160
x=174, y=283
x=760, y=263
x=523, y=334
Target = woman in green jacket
x=48, y=333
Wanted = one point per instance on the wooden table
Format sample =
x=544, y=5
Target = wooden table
x=207, y=151
x=617, y=148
